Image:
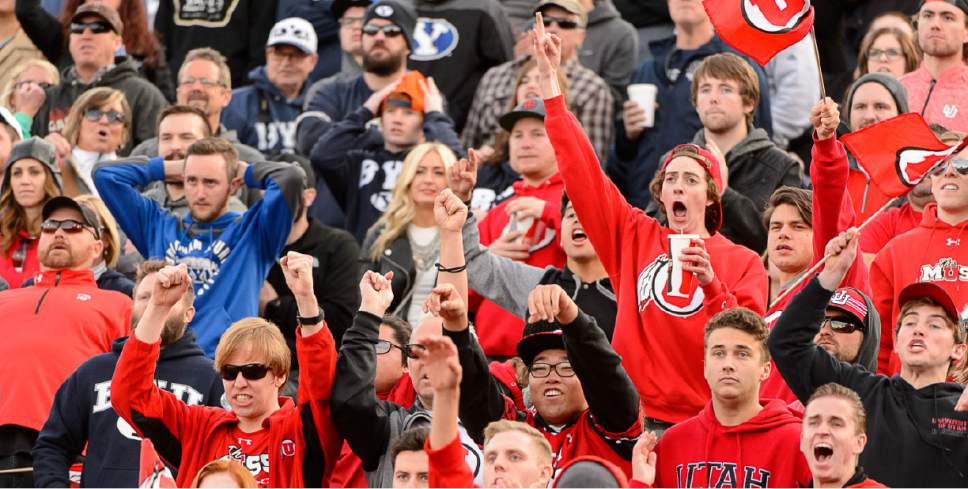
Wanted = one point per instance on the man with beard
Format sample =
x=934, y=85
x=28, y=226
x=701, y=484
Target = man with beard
x=228, y=254
x=51, y=328
x=936, y=89
x=387, y=43
x=82, y=413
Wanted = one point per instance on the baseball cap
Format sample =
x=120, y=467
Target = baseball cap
x=103, y=11
x=408, y=93
x=37, y=149
x=87, y=214
x=395, y=13
x=936, y=293
x=295, y=32
x=852, y=302
x=708, y=162
x=538, y=337
x=531, y=107
x=962, y=4
x=339, y=7
x=572, y=6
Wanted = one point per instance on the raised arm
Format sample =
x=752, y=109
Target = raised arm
x=138, y=216
x=274, y=213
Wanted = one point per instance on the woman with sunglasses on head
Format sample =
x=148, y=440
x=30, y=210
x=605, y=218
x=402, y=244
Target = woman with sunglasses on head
x=30, y=180
x=26, y=91
x=283, y=444
x=96, y=128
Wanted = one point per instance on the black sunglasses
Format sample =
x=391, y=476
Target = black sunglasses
x=69, y=226
x=562, y=22
x=845, y=327
x=961, y=166
x=389, y=30
x=251, y=371
x=97, y=27
x=94, y=115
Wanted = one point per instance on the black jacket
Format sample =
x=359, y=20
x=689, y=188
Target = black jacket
x=915, y=437
x=398, y=258
x=336, y=274
x=82, y=414
x=145, y=99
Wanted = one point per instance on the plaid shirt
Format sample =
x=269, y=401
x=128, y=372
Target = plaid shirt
x=589, y=97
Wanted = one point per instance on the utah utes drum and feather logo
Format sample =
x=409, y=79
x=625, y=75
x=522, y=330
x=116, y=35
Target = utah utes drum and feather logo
x=775, y=16
x=675, y=298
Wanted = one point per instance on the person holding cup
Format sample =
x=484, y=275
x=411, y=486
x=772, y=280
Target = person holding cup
x=659, y=335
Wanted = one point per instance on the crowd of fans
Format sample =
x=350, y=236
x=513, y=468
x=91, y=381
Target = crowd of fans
x=415, y=243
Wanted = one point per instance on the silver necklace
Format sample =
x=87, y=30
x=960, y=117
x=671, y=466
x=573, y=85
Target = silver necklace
x=424, y=255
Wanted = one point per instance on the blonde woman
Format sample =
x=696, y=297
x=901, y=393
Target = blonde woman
x=26, y=92
x=96, y=128
x=405, y=239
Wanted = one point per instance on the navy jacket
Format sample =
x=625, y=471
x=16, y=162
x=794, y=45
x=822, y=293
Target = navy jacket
x=676, y=120
x=262, y=116
x=82, y=413
x=328, y=102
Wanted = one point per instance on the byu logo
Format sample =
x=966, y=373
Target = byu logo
x=383, y=10
x=434, y=39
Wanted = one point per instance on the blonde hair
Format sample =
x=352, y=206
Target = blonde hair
x=262, y=336
x=96, y=98
x=505, y=425
x=401, y=210
x=241, y=475
x=10, y=88
x=109, y=228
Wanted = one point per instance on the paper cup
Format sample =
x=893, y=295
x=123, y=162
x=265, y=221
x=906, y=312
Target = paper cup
x=644, y=95
x=680, y=282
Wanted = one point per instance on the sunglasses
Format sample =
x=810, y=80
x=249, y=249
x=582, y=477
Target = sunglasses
x=540, y=370
x=389, y=30
x=94, y=115
x=890, y=53
x=562, y=22
x=960, y=166
x=251, y=371
x=97, y=27
x=42, y=85
x=845, y=327
x=69, y=226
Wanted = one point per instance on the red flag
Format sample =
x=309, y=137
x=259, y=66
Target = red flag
x=153, y=473
x=897, y=153
x=760, y=28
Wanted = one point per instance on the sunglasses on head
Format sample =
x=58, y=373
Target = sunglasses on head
x=251, y=371
x=97, y=27
x=94, y=115
x=562, y=22
x=389, y=30
x=69, y=226
x=840, y=326
x=960, y=166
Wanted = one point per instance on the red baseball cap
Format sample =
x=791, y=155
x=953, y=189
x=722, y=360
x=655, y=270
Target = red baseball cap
x=934, y=292
x=709, y=162
x=850, y=301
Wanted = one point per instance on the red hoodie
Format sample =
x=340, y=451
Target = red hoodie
x=932, y=252
x=498, y=330
x=888, y=225
x=48, y=331
x=762, y=452
x=833, y=213
x=30, y=265
x=201, y=434
x=446, y=466
x=659, y=337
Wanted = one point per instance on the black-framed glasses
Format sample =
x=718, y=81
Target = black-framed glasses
x=840, y=326
x=94, y=115
x=889, y=53
x=389, y=30
x=251, y=371
x=562, y=22
x=97, y=27
x=70, y=226
x=42, y=85
x=960, y=166
x=383, y=347
x=540, y=370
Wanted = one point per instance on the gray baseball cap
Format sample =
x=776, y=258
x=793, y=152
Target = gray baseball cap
x=37, y=149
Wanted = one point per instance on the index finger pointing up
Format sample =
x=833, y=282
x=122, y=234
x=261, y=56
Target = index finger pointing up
x=539, y=24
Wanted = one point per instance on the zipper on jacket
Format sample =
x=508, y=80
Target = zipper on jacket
x=928, y=98
x=41, y=301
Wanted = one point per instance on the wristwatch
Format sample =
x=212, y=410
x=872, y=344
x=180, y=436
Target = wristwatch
x=311, y=321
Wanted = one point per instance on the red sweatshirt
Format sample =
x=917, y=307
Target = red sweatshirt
x=935, y=252
x=30, y=265
x=497, y=329
x=48, y=331
x=833, y=213
x=888, y=225
x=201, y=434
x=762, y=452
x=447, y=467
x=659, y=337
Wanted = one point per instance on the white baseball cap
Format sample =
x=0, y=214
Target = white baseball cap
x=294, y=31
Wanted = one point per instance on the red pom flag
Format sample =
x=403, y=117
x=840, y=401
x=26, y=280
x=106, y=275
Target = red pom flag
x=760, y=28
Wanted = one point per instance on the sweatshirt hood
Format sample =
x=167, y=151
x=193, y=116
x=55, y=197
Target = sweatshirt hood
x=260, y=79
x=195, y=227
x=183, y=348
x=930, y=220
x=898, y=92
x=774, y=414
x=756, y=139
x=124, y=68
x=604, y=10
x=867, y=355
x=590, y=471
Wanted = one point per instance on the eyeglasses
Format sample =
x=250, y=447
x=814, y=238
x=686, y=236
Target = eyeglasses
x=42, y=85
x=70, y=226
x=94, y=115
x=960, y=166
x=383, y=347
x=251, y=371
x=351, y=21
x=562, y=22
x=184, y=82
x=389, y=30
x=97, y=27
x=540, y=370
x=839, y=326
x=889, y=53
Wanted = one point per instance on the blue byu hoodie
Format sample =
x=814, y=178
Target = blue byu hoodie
x=262, y=116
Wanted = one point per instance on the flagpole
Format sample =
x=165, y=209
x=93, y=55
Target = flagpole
x=809, y=273
x=816, y=55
